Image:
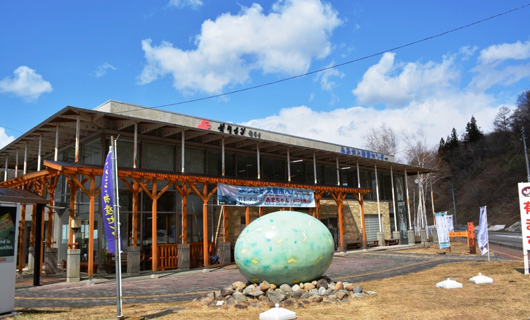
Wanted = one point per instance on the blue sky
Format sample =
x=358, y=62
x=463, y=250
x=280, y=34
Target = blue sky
x=153, y=53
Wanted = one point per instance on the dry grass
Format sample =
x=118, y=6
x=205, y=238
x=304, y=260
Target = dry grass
x=412, y=296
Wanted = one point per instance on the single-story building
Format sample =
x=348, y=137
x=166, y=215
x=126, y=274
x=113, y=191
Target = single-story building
x=169, y=166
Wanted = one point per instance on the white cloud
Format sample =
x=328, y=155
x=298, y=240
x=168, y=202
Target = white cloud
x=284, y=41
x=500, y=52
x=347, y=126
x=26, y=84
x=4, y=138
x=194, y=4
x=493, y=71
x=102, y=69
x=396, y=84
x=324, y=76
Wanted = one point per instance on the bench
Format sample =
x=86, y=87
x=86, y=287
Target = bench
x=374, y=243
x=353, y=245
x=391, y=242
x=84, y=267
x=110, y=263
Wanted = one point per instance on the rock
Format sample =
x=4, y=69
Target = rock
x=298, y=293
x=226, y=292
x=305, y=295
x=264, y=286
x=358, y=295
x=341, y=294
x=372, y=293
x=263, y=298
x=253, y=291
x=322, y=283
x=314, y=282
x=357, y=289
x=230, y=301
x=239, y=297
x=301, y=285
x=332, y=297
x=308, y=286
x=273, y=286
x=275, y=296
x=207, y=300
x=349, y=287
x=295, y=287
x=241, y=306
x=238, y=286
x=316, y=299
x=286, y=289
x=339, y=286
x=322, y=291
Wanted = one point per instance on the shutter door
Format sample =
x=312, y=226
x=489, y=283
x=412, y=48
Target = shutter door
x=371, y=223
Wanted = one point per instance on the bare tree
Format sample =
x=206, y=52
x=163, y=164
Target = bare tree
x=382, y=139
x=501, y=123
x=418, y=154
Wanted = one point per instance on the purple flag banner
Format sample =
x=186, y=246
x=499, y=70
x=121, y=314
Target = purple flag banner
x=107, y=203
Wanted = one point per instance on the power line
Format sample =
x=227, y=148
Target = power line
x=340, y=64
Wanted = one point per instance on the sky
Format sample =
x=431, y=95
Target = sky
x=324, y=70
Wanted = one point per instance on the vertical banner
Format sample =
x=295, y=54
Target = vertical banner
x=524, y=205
x=450, y=224
x=442, y=230
x=107, y=203
x=482, y=238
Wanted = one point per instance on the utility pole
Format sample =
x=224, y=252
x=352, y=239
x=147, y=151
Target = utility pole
x=454, y=205
x=526, y=155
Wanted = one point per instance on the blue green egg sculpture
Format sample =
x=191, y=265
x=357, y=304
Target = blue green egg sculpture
x=284, y=247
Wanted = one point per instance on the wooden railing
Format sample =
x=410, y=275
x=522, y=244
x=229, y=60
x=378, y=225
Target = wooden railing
x=168, y=255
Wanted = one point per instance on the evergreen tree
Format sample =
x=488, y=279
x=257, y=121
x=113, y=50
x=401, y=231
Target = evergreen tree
x=473, y=133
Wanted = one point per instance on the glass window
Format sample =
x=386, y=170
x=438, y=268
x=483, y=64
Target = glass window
x=194, y=160
x=247, y=166
x=91, y=152
x=158, y=156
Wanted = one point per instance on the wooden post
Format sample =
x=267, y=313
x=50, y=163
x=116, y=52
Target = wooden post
x=205, y=226
x=247, y=216
x=185, y=214
x=135, y=193
x=91, y=216
x=225, y=223
x=154, y=244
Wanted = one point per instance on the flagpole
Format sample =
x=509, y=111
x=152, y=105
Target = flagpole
x=118, y=227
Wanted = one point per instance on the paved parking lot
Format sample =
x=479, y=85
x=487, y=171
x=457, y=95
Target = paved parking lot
x=353, y=267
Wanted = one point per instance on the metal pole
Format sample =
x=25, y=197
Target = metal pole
x=454, y=204
x=526, y=156
x=118, y=227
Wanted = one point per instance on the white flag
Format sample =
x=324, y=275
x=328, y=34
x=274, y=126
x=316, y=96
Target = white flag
x=483, y=231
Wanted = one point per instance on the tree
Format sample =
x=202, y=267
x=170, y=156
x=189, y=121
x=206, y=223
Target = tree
x=473, y=133
x=520, y=118
x=382, y=139
x=501, y=122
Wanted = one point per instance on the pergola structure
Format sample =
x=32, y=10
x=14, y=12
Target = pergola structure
x=80, y=175
x=71, y=128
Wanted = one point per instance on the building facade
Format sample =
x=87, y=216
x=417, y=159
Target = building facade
x=169, y=165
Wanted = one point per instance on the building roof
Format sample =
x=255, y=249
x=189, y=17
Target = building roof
x=20, y=196
x=115, y=117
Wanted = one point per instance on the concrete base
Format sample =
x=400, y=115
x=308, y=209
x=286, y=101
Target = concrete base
x=50, y=261
x=31, y=258
x=423, y=236
x=224, y=252
x=381, y=238
x=396, y=235
x=73, y=268
x=434, y=235
x=133, y=261
x=183, y=252
x=411, y=236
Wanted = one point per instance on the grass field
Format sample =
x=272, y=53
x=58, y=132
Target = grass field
x=413, y=296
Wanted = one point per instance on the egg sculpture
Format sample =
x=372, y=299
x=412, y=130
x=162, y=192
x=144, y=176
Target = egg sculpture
x=284, y=247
